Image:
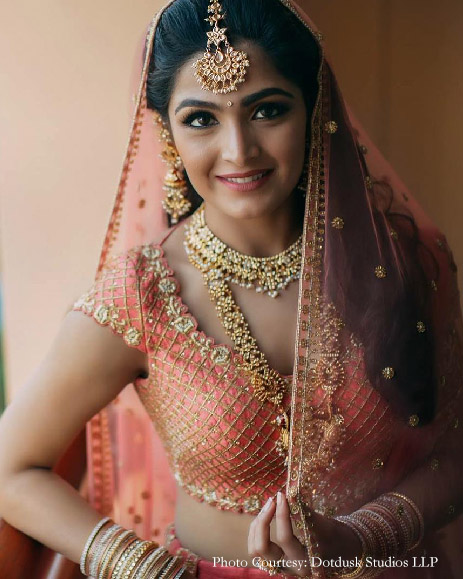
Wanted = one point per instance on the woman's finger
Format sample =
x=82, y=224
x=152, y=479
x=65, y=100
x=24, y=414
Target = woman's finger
x=261, y=529
x=261, y=545
x=284, y=535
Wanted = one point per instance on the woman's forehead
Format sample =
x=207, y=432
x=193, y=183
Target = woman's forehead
x=261, y=74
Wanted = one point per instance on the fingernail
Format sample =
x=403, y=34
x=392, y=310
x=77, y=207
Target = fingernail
x=267, y=504
x=279, y=498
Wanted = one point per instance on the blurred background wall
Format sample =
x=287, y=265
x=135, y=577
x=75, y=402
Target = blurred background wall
x=65, y=113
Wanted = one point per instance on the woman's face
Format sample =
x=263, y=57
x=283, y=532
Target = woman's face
x=245, y=159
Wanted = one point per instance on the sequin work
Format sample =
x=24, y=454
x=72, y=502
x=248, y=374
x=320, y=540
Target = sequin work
x=221, y=442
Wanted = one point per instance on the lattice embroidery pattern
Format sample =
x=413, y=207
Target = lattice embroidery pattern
x=220, y=440
x=108, y=300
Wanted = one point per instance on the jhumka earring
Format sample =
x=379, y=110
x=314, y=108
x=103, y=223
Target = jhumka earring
x=220, y=70
x=175, y=203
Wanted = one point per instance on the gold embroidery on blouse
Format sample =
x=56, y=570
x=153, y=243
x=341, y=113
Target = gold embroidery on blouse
x=108, y=313
x=248, y=504
x=202, y=410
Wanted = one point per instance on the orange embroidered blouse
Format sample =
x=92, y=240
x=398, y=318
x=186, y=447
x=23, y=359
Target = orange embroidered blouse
x=219, y=439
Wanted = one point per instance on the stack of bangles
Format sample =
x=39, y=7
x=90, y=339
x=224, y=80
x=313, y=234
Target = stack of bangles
x=112, y=552
x=390, y=526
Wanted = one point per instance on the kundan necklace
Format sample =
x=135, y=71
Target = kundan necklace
x=268, y=275
x=218, y=264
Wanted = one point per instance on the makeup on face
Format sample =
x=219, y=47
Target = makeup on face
x=245, y=159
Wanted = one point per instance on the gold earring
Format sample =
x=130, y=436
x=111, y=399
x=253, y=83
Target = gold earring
x=175, y=203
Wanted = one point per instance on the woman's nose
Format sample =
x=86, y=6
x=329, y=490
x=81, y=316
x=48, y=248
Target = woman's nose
x=239, y=145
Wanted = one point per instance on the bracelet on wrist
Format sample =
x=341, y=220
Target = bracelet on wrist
x=112, y=552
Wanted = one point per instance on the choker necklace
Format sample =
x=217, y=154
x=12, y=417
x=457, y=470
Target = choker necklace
x=268, y=275
x=267, y=383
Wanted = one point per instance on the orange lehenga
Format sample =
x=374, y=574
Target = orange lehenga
x=351, y=439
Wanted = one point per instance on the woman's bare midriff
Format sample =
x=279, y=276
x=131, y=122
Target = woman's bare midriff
x=210, y=532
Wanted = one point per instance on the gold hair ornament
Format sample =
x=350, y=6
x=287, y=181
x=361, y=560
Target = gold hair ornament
x=220, y=70
x=175, y=202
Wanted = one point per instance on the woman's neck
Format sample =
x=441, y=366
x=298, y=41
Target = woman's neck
x=260, y=237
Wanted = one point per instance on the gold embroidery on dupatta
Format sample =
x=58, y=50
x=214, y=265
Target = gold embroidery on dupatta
x=303, y=466
x=317, y=428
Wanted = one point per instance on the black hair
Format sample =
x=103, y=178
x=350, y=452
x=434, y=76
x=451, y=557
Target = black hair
x=181, y=34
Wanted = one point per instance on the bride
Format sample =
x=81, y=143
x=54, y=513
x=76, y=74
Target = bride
x=288, y=320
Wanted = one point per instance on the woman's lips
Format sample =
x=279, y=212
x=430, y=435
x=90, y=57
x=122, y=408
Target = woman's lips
x=246, y=181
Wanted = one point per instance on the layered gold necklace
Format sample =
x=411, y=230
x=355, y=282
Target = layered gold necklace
x=220, y=264
x=268, y=275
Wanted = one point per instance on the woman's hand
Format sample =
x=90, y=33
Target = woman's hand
x=334, y=539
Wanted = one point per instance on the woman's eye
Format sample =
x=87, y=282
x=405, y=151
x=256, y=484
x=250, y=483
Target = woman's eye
x=200, y=120
x=270, y=111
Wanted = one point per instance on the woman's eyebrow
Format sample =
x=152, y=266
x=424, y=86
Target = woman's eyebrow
x=246, y=101
x=196, y=103
x=252, y=98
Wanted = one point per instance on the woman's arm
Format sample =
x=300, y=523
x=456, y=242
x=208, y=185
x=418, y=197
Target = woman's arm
x=86, y=367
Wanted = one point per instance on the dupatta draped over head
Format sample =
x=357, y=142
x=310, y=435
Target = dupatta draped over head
x=375, y=399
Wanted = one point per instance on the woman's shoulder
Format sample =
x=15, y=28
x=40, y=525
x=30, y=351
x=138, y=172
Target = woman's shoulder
x=160, y=257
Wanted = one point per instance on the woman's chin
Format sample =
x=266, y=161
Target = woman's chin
x=253, y=205
x=247, y=209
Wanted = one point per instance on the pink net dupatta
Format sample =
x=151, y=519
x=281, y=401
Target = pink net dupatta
x=128, y=474
x=378, y=301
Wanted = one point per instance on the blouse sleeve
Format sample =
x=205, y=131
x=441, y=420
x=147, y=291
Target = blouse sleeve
x=114, y=299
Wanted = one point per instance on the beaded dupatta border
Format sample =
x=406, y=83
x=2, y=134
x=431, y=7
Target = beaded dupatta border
x=307, y=344
x=309, y=312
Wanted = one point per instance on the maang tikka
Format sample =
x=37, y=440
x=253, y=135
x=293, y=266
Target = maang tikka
x=175, y=203
x=220, y=70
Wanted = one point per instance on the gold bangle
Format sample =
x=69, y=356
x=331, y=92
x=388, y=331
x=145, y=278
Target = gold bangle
x=89, y=543
x=152, y=547
x=418, y=515
x=108, y=550
x=124, y=555
x=160, y=564
x=133, y=559
x=112, y=558
x=100, y=547
x=173, y=568
x=150, y=563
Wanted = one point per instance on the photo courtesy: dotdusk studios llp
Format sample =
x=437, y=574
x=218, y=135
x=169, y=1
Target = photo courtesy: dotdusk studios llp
x=390, y=562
